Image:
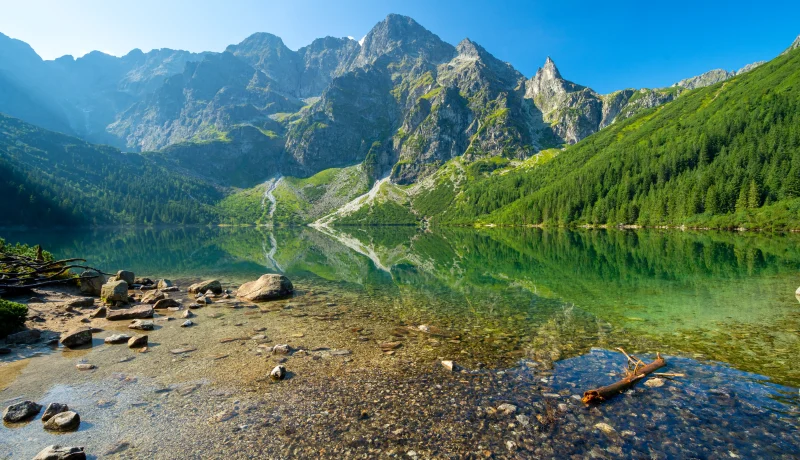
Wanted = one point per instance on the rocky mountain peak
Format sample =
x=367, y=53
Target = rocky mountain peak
x=549, y=71
x=401, y=36
x=795, y=44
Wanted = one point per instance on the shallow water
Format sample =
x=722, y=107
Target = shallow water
x=525, y=312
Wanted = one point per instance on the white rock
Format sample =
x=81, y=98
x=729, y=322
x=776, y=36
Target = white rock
x=654, y=382
x=449, y=365
x=605, y=428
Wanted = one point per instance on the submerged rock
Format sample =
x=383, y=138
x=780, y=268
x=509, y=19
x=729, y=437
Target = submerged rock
x=142, y=325
x=654, y=382
x=56, y=452
x=208, y=285
x=114, y=291
x=187, y=323
x=64, y=421
x=449, y=365
x=137, y=312
x=117, y=338
x=137, y=342
x=76, y=337
x=268, y=287
x=53, y=409
x=21, y=411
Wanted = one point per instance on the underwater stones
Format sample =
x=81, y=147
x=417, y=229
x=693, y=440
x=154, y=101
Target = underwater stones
x=117, y=338
x=56, y=452
x=137, y=312
x=114, y=291
x=278, y=373
x=21, y=411
x=152, y=297
x=137, y=342
x=76, y=337
x=506, y=409
x=605, y=428
x=64, y=421
x=142, y=325
x=208, y=285
x=53, y=409
x=267, y=287
x=654, y=382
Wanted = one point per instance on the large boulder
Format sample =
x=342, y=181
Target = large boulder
x=124, y=275
x=137, y=312
x=92, y=282
x=21, y=411
x=56, y=452
x=76, y=337
x=115, y=291
x=268, y=287
x=203, y=286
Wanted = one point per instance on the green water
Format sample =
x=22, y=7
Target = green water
x=543, y=294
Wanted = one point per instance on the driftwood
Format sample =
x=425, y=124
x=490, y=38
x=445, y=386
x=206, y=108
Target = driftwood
x=20, y=273
x=633, y=376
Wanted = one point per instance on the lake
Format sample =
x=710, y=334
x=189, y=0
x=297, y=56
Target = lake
x=541, y=307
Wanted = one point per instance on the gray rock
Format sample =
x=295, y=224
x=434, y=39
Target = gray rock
x=27, y=336
x=137, y=342
x=187, y=314
x=137, y=312
x=142, y=325
x=56, y=452
x=124, y=275
x=91, y=282
x=163, y=284
x=53, y=409
x=117, y=338
x=203, y=286
x=268, y=287
x=153, y=296
x=187, y=323
x=76, y=337
x=65, y=421
x=21, y=411
x=282, y=349
x=278, y=373
x=114, y=291
x=166, y=303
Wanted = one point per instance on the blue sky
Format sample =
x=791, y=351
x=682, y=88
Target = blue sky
x=604, y=45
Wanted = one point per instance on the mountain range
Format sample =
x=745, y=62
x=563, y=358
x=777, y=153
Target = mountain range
x=277, y=132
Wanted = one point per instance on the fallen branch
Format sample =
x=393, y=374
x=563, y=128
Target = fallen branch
x=21, y=273
x=632, y=378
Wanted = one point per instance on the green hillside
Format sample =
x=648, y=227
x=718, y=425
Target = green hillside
x=725, y=156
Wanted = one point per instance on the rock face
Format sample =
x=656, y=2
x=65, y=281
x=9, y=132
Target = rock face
x=203, y=286
x=114, y=291
x=56, y=452
x=268, y=287
x=64, y=421
x=137, y=312
x=92, y=282
x=21, y=411
x=76, y=337
x=124, y=275
x=53, y=409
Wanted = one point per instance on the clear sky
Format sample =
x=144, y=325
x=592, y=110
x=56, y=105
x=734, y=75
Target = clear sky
x=602, y=44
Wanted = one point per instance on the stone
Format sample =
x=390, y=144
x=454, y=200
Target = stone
x=278, y=373
x=180, y=351
x=124, y=275
x=56, y=452
x=187, y=323
x=166, y=303
x=153, y=296
x=142, y=325
x=65, y=421
x=449, y=365
x=163, y=284
x=80, y=302
x=523, y=420
x=208, y=285
x=143, y=281
x=21, y=411
x=194, y=306
x=203, y=300
x=210, y=293
x=117, y=338
x=282, y=349
x=268, y=287
x=137, y=312
x=114, y=291
x=91, y=282
x=85, y=366
x=654, y=382
x=27, y=336
x=99, y=313
x=386, y=346
x=138, y=341
x=605, y=428
x=76, y=337
x=506, y=409
x=171, y=289
x=187, y=314
x=53, y=409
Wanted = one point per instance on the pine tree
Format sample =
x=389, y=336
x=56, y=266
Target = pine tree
x=753, y=196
